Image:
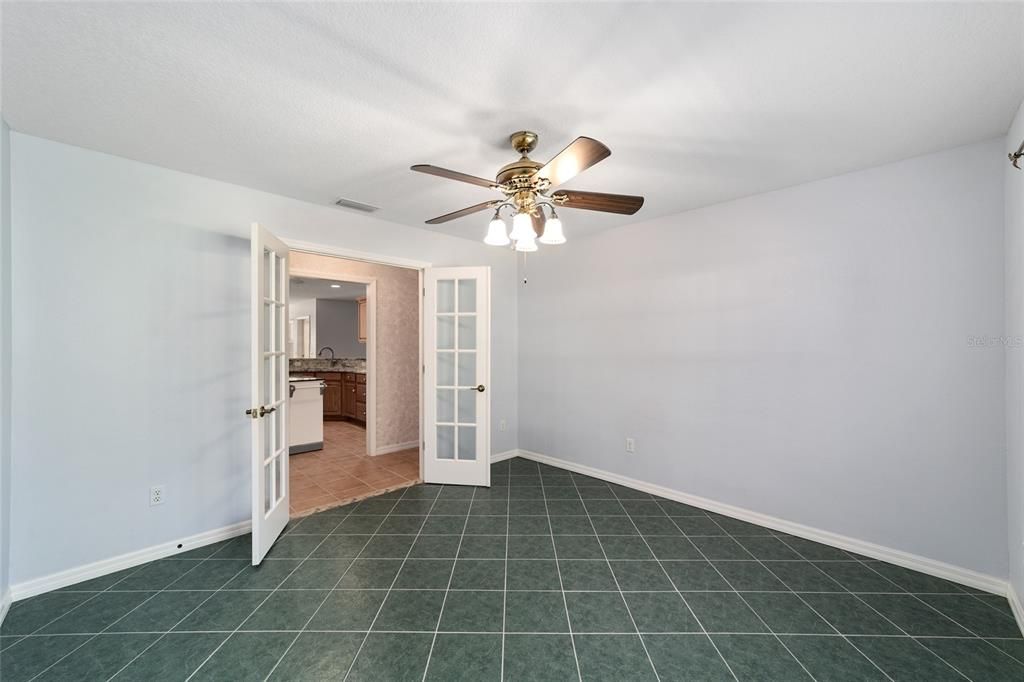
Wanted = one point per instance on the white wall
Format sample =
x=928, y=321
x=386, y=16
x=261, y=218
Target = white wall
x=1014, y=214
x=5, y=362
x=337, y=326
x=803, y=354
x=142, y=376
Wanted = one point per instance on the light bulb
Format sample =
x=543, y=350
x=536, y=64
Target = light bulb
x=496, y=234
x=522, y=228
x=552, y=232
x=528, y=245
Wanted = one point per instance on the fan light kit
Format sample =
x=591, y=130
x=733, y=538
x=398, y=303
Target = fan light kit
x=528, y=187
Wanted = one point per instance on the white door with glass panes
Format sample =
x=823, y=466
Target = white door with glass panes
x=457, y=343
x=269, y=408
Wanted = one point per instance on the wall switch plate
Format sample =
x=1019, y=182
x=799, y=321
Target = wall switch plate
x=630, y=445
x=502, y=426
x=156, y=495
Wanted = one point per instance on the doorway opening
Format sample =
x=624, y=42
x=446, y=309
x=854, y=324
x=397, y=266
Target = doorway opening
x=354, y=380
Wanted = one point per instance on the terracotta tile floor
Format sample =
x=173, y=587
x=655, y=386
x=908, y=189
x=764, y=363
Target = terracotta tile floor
x=343, y=472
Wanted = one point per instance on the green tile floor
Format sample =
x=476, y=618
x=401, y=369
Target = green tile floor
x=547, y=575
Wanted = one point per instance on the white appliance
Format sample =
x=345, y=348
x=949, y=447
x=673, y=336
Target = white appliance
x=305, y=414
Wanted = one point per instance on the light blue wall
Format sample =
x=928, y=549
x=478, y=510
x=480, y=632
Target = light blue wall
x=804, y=353
x=1014, y=215
x=337, y=326
x=5, y=360
x=143, y=377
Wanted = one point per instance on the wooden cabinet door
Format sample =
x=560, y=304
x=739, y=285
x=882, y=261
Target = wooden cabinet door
x=362, y=319
x=332, y=393
x=348, y=395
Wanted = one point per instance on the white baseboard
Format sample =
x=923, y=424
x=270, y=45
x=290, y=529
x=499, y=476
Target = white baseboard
x=55, y=581
x=914, y=562
x=388, y=449
x=5, y=605
x=1015, y=606
x=502, y=456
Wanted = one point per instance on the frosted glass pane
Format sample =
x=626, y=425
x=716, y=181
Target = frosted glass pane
x=467, y=295
x=467, y=332
x=268, y=326
x=268, y=381
x=268, y=273
x=278, y=418
x=279, y=477
x=446, y=442
x=445, y=369
x=446, y=296
x=446, y=331
x=467, y=369
x=467, y=442
x=446, y=404
x=467, y=406
x=268, y=487
x=267, y=424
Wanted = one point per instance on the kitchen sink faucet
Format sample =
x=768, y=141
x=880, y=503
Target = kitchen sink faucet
x=326, y=348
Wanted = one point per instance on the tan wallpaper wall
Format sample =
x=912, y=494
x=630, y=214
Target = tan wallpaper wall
x=397, y=339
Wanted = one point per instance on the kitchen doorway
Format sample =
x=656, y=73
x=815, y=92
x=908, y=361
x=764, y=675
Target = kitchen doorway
x=354, y=380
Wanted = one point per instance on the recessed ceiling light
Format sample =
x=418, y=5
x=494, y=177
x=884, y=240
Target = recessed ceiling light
x=335, y=286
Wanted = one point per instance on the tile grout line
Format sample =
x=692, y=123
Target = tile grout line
x=949, y=618
x=451, y=577
x=119, y=619
x=668, y=577
x=330, y=591
x=79, y=605
x=558, y=567
x=615, y=578
x=759, y=617
x=695, y=633
x=504, y=591
x=258, y=606
x=384, y=601
x=213, y=593
x=862, y=601
x=672, y=583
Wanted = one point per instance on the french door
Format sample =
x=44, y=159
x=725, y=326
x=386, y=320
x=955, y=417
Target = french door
x=269, y=410
x=456, y=352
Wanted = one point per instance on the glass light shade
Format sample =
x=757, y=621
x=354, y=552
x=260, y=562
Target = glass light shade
x=522, y=228
x=552, y=232
x=527, y=245
x=496, y=235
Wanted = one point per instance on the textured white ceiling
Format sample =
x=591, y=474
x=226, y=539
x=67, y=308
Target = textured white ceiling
x=699, y=103
x=310, y=287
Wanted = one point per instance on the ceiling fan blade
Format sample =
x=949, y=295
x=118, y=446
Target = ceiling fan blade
x=454, y=175
x=466, y=211
x=583, y=153
x=625, y=204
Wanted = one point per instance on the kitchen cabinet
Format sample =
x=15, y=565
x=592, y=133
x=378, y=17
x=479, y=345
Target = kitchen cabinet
x=353, y=392
x=332, y=394
x=344, y=395
x=361, y=301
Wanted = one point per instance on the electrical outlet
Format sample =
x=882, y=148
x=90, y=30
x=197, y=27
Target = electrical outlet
x=156, y=495
x=502, y=426
x=630, y=445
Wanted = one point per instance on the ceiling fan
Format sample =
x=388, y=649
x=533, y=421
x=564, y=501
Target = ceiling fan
x=529, y=187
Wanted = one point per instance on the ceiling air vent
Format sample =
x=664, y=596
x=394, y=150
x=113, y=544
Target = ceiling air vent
x=348, y=203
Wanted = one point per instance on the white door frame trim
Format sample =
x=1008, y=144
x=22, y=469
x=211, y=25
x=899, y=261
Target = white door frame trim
x=371, y=322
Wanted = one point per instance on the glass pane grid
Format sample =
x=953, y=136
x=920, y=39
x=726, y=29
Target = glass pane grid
x=456, y=414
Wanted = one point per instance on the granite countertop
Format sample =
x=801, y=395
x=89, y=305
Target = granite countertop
x=355, y=365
